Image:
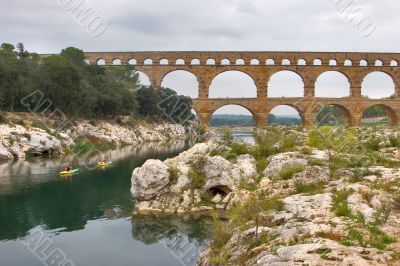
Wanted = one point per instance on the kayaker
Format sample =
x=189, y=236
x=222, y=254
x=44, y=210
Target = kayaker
x=67, y=169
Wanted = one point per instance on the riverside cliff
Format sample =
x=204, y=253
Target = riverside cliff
x=29, y=134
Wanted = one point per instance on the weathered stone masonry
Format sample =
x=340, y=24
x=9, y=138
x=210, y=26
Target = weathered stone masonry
x=355, y=66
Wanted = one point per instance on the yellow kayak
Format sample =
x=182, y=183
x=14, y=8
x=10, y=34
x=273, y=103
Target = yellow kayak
x=73, y=171
x=104, y=164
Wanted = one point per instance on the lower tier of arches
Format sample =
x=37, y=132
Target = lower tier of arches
x=314, y=112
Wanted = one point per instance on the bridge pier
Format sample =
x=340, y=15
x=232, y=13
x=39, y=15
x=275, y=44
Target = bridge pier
x=261, y=120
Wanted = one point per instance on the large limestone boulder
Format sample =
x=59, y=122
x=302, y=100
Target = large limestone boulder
x=149, y=180
x=283, y=160
x=216, y=166
x=247, y=168
x=4, y=153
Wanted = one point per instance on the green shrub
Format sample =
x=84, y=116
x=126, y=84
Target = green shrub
x=316, y=162
x=271, y=203
x=197, y=179
x=288, y=173
x=394, y=141
x=340, y=206
x=3, y=119
x=173, y=175
x=306, y=150
x=310, y=189
x=39, y=124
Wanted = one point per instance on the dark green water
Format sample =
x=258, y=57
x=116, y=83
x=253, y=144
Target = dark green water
x=87, y=217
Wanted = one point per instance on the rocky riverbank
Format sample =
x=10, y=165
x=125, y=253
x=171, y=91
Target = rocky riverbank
x=28, y=134
x=318, y=197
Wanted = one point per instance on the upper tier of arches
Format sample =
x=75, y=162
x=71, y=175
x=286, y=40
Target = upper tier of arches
x=247, y=58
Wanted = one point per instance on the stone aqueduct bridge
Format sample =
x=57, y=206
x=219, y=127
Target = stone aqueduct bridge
x=260, y=66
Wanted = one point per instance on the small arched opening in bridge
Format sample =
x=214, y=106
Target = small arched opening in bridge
x=86, y=61
x=195, y=62
x=179, y=61
x=183, y=82
x=394, y=63
x=164, y=62
x=225, y=62
x=363, y=63
x=379, y=114
x=239, y=62
x=378, y=63
x=144, y=80
x=348, y=62
x=232, y=116
x=270, y=62
x=116, y=62
x=378, y=85
x=254, y=62
x=148, y=62
x=333, y=115
x=286, y=62
x=301, y=62
x=132, y=62
x=101, y=62
x=232, y=84
x=284, y=115
x=332, y=62
x=317, y=62
x=332, y=84
x=210, y=61
x=285, y=84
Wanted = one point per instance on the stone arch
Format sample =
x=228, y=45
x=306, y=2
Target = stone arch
x=144, y=79
x=388, y=111
x=286, y=62
x=230, y=109
x=183, y=82
x=378, y=63
x=164, y=62
x=226, y=82
x=179, y=61
x=240, y=62
x=287, y=115
x=378, y=84
x=116, y=62
x=195, y=61
x=254, y=62
x=148, y=61
x=225, y=62
x=301, y=62
x=394, y=63
x=332, y=62
x=332, y=84
x=363, y=63
x=317, y=62
x=348, y=62
x=132, y=61
x=333, y=114
x=282, y=81
x=270, y=62
x=210, y=61
x=101, y=62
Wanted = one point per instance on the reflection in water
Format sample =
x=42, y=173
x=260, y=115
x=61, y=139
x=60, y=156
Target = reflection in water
x=88, y=215
x=246, y=136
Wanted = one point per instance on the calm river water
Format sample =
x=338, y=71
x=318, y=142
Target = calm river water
x=87, y=217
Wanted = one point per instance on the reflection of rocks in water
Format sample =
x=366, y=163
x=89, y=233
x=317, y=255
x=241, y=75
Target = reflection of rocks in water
x=150, y=229
x=115, y=213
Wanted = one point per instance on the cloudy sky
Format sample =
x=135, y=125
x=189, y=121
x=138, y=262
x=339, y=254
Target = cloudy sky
x=47, y=26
